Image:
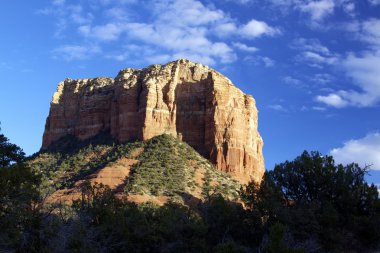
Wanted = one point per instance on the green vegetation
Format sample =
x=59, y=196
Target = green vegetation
x=168, y=166
x=323, y=206
x=102, y=223
x=163, y=168
x=19, y=211
x=309, y=204
x=68, y=162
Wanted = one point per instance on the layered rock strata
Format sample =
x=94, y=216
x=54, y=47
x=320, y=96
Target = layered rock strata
x=182, y=98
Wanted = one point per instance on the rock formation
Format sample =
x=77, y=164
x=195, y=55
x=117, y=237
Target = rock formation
x=182, y=98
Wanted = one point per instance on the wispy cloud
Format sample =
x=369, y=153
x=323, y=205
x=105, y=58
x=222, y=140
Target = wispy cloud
x=294, y=82
x=255, y=28
x=75, y=52
x=319, y=108
x=317, y=10
x=260, y=61
x=374, y=2
x=364, y=151
x=332, y=99
x=244, y=47
x=107, y=32
x=277, y=107
x=369, y=31
x=186, y=28
x=240, y=1
x=291, y=80
x=313, y=45
x=313, y=52
x=322, y=78
x=362, y=68
x=316, y=59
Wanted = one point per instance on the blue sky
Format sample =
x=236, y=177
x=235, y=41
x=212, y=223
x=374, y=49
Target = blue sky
x=313, y=66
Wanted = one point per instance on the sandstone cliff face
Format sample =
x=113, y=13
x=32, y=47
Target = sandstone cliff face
x=182, y=98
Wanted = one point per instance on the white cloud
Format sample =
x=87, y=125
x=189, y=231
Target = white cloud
x=244, y=47
x=317, y=9
x=66, y=14
x=313, y=52
x=319, y=108
x=291, y=80
x=186, y=13
x=260, y=61
x=277, y=107
x=117, y=14
x=374, y=2
x=362, y=68
x=313, y=45
x=240, y=1
x=225, y=29
x=332, y=99
x=107, y=32
x=365, y=72
x=268, y=62
x=322, y=78
x=252, y=30
x=180, y=41
x=294, y=82
x=316, y=58
x=78, y=15
x=256, y=28
x=174, y=28
x=75, y=52
x=348, y=7
x=121, y=2
x=370, y=32
x=367, y=31
x=364, y=151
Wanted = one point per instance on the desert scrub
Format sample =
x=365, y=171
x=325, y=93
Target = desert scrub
x=162, y=168
x=63, y=165
x=166, y=166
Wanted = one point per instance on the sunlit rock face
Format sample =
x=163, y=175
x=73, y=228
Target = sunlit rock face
x=182, y=98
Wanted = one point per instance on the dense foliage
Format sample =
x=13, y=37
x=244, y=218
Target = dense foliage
x=309, y=204
x=19, y=214
x=322, y=206
x=103, y=223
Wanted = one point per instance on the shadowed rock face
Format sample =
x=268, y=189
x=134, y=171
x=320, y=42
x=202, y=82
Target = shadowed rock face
x=182, y=98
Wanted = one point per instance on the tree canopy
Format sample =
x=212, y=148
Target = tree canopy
x=317, y=200
x=9, y=153
x=19, y=220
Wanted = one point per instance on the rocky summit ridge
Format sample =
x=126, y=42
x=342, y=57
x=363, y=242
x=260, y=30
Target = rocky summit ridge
x=188, y=100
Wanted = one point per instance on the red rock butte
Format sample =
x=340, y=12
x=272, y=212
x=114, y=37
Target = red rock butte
x=188, y=100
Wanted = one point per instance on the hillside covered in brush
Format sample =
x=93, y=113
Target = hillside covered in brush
x=160, y=169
